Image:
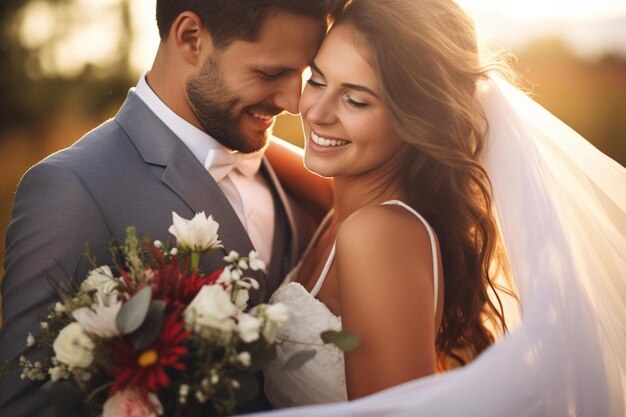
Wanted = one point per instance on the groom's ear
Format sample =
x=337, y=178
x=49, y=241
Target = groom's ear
x=191, y=38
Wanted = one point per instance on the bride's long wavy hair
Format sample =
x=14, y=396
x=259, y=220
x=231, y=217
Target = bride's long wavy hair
x=426, y=56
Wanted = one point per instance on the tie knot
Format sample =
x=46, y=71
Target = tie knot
x=220, y=163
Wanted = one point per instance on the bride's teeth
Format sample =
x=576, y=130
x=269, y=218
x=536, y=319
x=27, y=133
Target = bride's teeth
x=327, y=142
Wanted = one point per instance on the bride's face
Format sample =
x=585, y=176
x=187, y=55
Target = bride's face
x=347, y=129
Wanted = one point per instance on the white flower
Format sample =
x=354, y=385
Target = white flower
x=248, y=327
x=130, y=403
x=100, y=318
x=59, y=307
x=232, y=257
x=241, y=298
x=247, y=283
x=277, y=313
x=100, y=279
x=242, y=264
x=158, y=244
x=58, y=372
x=225, y=277
x=244, y=358
x=198, y=234
x=211, y=308
x=30, y=340
x=256, y=264
x=73, y=347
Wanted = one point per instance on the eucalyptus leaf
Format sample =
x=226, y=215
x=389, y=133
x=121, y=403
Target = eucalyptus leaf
x=344, y=340
x=298, y=359
x=134, y=311
x=150, y=330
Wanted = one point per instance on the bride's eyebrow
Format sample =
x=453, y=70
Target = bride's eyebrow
x=357, y=87
x=315, y=68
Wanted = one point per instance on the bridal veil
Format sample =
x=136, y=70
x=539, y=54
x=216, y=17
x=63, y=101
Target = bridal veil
x=561, y=210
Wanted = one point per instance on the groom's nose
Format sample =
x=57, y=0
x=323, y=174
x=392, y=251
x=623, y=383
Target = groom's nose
x=288, y=93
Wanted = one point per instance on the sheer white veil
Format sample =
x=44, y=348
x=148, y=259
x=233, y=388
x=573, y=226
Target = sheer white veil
x=560, y=205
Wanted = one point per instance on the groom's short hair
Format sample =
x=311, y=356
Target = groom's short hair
x=230, y=20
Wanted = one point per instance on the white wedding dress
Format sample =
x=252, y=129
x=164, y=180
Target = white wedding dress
x=322, y=379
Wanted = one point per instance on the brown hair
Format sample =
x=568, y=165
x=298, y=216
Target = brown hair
x=229, y=20
x=426, y=57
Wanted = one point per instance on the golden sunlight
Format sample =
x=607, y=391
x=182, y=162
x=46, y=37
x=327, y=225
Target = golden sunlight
x=546, y=9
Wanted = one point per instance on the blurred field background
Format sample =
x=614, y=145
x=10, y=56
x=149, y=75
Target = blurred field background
x=66, y=66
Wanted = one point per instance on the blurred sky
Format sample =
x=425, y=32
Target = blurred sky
x=591, y=27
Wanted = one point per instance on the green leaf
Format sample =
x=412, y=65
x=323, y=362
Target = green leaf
x=298, y=359
x=134, y=311
x=344, y=340
x=151, y=327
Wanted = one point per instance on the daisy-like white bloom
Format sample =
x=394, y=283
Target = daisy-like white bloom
x=196, y=235
x=99, y=320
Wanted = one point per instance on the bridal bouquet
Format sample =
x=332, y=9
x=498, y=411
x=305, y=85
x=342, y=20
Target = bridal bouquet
x=159, y=336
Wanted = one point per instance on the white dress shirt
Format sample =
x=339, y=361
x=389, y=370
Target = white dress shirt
x=248, y=192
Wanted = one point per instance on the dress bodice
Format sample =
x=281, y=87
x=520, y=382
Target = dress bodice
x=321, y=379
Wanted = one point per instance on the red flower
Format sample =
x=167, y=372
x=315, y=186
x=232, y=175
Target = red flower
x=175, y=286
x=147, y=369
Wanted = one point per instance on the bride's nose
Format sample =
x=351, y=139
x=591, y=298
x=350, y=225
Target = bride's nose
x=320, y=111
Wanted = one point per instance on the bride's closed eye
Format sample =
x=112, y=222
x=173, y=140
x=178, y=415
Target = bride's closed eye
x=354, y=102
x=314, y=83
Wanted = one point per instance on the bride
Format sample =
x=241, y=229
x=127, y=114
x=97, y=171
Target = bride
x=440, y=166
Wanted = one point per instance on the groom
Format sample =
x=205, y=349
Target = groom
x=189, y=138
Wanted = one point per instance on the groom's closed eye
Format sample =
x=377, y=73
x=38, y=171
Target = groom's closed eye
x=273, y=73
x=270, y=75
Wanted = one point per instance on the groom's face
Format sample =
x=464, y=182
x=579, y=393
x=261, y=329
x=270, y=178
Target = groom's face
x=241, y=88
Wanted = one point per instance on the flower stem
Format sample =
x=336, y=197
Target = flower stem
x=195, y=261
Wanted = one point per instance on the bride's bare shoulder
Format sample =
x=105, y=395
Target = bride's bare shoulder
x=383, y=234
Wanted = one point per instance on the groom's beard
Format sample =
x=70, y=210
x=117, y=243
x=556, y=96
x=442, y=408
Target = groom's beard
x=215, y=106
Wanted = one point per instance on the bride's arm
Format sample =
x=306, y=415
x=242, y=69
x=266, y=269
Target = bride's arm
x=310, y=190
x=385, y=278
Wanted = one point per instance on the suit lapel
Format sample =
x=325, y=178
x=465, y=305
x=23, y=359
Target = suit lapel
x=193, y=184
x=184, y=174
x=186, y=177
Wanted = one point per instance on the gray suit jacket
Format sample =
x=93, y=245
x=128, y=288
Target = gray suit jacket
x=130, y=171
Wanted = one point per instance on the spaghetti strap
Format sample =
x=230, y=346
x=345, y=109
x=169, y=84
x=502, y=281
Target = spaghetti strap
x=433, y=243
x=320, y=281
